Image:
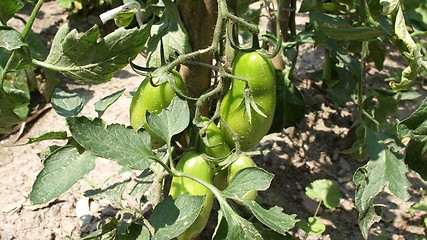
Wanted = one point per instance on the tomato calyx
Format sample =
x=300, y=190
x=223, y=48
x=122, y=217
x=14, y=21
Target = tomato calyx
x=251, y=104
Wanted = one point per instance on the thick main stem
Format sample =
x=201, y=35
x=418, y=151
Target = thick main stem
x=199, y=18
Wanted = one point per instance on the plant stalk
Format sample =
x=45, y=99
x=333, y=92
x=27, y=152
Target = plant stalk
x=30, y=22
x=362, y=81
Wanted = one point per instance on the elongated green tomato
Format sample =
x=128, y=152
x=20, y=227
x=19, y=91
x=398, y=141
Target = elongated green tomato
x=215, y=144
x=194, y=164
x=241, y=163
x=154, y=100
x=260, y=74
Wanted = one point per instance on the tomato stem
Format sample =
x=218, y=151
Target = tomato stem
x=233, y=135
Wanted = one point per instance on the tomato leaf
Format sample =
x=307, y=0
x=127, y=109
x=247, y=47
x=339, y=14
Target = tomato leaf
x=87, y=58
x=171, y=121
x=409, y=49
x=246, y=180
x=290, y=104
x=143, y=182
x=168, y=37
x=363, y=33
x=389, y=6
x=274, y=217
x=8, y=8
x=103, y=230
x=59, y=135
x=14, y=98
x=107, y=101
x=10, y=39
x=171, y=218
x=310, y=6
x=416, y=13
x=368, y=218
x=312, y=226
x=113, y=192
x=383, y=170
x=47, y=151
x=116, y=142
x=415, y=126
x=66, y=104
x=422, y=206
x=13, y=108
x=416, y=158
x=324, y=190
x=62, y=169
x=132, y=231
x=232, y=226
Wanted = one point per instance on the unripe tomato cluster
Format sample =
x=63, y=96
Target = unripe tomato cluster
x=217, y=143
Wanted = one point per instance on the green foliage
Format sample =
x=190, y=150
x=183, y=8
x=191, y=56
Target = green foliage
x=416, y=13
x=104, y=103
x=8, y=8
x=384, y=170
x=168, y=37
x=66, y=104
x=312, y=226
x=18, y=75
x=171, y=121
x=61, y=171
x=124, y=145
x=10, y=39
x=413, y=129
x=325, y=191
x=85, y=58
x=13, y=108
x=290, y=104
x=247, y=180
x=274, y=217
x=422, y=206
x=171, y=218
x=48, y=136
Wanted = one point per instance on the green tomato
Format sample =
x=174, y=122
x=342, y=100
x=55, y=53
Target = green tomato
x=259, y=72
x=241, y=163
x=215, y=146
x=194, y=164
x=154, y=100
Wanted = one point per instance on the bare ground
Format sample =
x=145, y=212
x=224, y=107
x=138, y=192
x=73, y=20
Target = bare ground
x=298, y=155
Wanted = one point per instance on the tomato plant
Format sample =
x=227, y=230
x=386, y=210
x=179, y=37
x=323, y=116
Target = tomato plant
x=197, y=41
